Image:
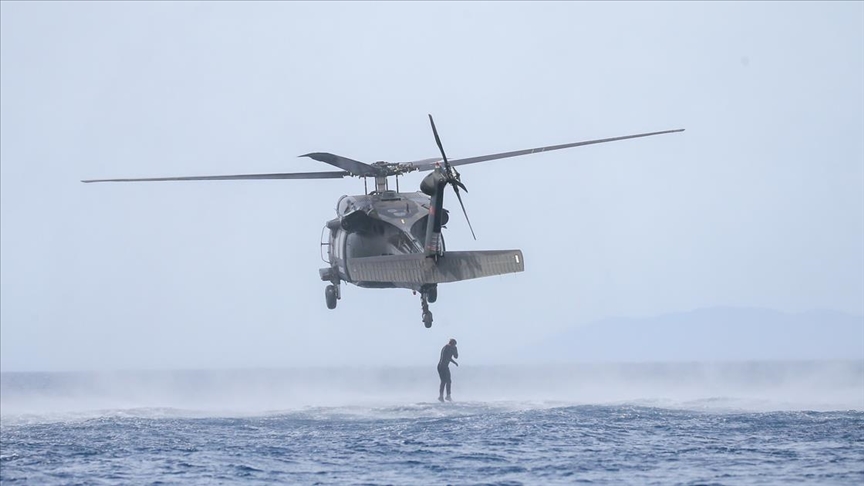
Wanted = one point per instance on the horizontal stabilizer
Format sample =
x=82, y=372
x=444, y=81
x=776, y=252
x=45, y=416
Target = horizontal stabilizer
x=453, y=266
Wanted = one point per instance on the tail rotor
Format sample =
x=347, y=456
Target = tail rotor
x=453, y=177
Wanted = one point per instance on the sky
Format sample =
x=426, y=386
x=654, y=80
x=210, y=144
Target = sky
x=759, y=203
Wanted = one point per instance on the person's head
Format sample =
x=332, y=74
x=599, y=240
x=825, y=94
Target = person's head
x=453, y=341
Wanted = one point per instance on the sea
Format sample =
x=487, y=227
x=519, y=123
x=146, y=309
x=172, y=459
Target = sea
x=640, y=423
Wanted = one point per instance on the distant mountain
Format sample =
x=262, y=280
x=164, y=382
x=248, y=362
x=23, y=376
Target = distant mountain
x=711, y=334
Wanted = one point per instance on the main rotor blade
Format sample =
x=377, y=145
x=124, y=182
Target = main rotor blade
x=295, y=175
x=458, y=196
x=354, y=167
x=429, y=164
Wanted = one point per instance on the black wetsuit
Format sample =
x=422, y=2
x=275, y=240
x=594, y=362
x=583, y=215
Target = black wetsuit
x=448, y=352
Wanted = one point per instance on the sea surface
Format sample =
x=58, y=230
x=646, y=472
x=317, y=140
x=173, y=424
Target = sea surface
x=686, y=423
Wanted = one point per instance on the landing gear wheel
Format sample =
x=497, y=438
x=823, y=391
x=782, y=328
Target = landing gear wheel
x=432, y=294
x=427, y=319
x=330, y=296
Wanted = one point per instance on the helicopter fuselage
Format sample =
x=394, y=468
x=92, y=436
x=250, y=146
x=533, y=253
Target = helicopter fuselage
x=377, y=224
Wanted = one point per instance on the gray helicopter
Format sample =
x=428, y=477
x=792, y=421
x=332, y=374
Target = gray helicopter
x=392, y=239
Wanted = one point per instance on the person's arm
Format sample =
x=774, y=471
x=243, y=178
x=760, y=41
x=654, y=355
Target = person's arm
x=455, y=355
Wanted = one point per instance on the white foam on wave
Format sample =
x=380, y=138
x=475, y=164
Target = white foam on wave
x=411, y=392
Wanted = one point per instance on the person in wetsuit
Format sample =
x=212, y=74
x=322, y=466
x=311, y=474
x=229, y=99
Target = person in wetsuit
x=448, y=352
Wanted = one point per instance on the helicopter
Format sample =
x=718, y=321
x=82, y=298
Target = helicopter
x=391, y=239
